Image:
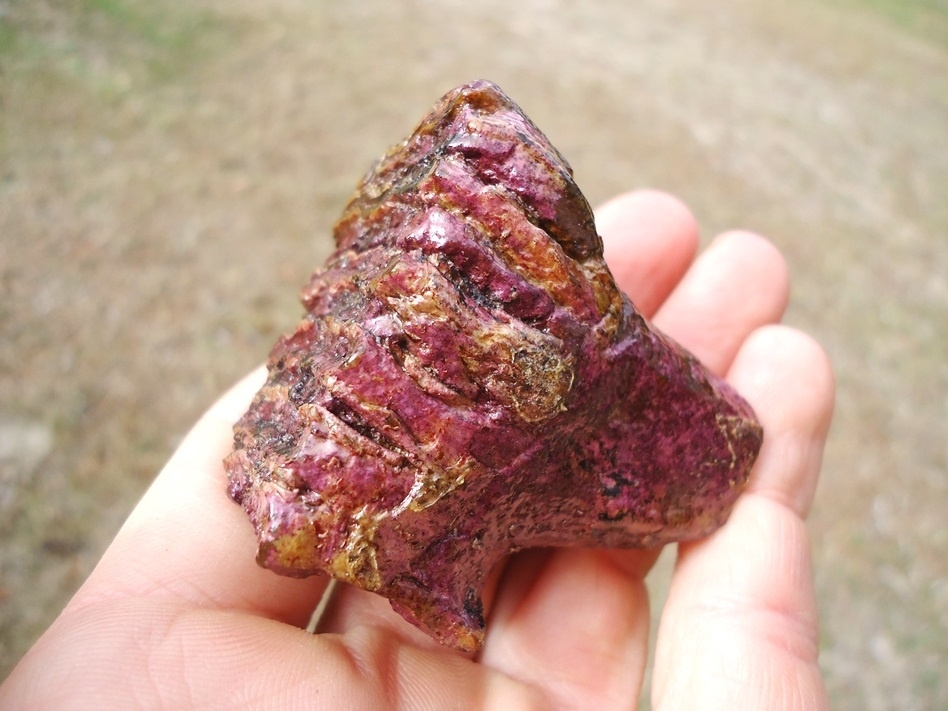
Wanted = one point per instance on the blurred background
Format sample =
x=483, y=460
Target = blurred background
x=170, y=173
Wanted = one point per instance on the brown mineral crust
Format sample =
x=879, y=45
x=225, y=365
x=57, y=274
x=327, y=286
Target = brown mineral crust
x=468, y=381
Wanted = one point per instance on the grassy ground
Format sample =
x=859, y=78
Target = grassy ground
x=169, y=173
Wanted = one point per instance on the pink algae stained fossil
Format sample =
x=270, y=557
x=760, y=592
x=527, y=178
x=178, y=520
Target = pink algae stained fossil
x=469, y=381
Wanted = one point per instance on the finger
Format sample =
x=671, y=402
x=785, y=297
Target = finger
x=649, y=238
x=148, y=653
x=348, y=608
x=187, y=540
x=793, y=392
x=574, y=623
x=738, y=283
x=739, y=629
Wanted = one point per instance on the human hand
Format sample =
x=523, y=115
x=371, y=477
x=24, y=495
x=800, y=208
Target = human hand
x=177, y=614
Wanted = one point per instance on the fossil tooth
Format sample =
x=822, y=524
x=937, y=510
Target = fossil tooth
x=468, y=381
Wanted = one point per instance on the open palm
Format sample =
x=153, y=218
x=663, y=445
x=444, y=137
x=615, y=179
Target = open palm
x=177, y=615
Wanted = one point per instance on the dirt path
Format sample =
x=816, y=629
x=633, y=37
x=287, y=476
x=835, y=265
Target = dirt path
x=169, y=174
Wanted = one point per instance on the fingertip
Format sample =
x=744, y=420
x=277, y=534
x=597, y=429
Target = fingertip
x=649, y=239
x=756, y=252
x=778, y=360
x=672, y=210
x=790, y=352
x=738, y=284
x=788, y=378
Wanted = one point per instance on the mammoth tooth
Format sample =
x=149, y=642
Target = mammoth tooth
x=468, y=381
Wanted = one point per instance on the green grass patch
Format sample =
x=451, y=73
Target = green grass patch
x=158, y=38
x=107, y=46
x=7, y=36
x=927, y=19
x=167, y=28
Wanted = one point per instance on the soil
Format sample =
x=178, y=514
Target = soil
x=169, y=174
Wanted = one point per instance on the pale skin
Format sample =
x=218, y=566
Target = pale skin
x=178, y=615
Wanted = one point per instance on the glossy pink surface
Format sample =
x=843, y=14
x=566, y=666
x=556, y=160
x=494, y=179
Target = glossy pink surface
x=468, y=381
